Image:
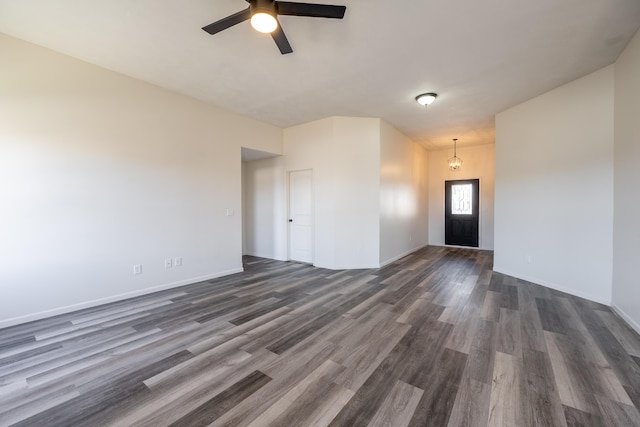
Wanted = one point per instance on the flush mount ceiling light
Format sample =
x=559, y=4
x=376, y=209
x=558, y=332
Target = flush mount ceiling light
x=455, y=163
x=426, y=98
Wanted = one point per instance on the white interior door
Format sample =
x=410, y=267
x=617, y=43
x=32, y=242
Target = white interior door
x=301, y=216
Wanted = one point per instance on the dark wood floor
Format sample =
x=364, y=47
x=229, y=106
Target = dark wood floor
x=434, y=339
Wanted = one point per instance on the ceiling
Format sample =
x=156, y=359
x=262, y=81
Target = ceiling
x=481, y=57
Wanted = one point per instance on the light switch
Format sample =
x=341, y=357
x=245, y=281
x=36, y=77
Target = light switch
x=229, y=212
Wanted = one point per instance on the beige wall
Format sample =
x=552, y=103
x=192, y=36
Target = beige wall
x=99, y=172
x=626, y=226
x=477, y=162
x=343, y=153
x=404, y=216
x=554, y=188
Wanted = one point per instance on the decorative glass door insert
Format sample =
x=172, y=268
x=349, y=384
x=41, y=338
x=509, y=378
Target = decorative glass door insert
x=462, y=199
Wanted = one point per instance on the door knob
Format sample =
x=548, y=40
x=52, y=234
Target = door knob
x=290, y=220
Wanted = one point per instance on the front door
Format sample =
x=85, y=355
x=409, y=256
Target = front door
x=461, y=203
x=301, y=216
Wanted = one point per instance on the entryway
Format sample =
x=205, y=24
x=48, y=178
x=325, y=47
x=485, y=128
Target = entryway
x=461, y=212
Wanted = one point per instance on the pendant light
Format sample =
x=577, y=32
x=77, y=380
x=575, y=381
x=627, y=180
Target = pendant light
x=455, y=162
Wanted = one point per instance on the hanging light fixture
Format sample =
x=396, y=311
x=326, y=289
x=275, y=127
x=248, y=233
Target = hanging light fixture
x=455, y=162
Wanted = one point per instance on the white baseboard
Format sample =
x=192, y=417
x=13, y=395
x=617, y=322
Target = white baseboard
x=94, y=303
x=264, y=256
x=634, y=325
x=555, y=286
x=395, y=258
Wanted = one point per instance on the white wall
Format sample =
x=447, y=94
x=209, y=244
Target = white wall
x=404, y=189
x=344, y=154
x=477, y=163
x=554, y=188
x=356, y=197
x=626, y=226
x=264, y=209
x=99, y=172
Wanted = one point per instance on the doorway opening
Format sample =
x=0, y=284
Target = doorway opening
x=461, y=212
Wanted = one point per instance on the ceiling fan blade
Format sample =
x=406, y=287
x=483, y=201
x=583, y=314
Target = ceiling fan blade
x=281, y=40
x=309, y=9
x=227, y=22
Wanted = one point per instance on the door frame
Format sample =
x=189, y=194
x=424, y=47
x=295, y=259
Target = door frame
x=313, y=213
x=444, y=212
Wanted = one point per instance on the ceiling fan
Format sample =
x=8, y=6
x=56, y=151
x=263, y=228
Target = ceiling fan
x=264, y=18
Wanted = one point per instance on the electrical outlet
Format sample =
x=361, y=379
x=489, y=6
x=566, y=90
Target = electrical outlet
x=177, y=262
x=168, y=263
x=137, y=269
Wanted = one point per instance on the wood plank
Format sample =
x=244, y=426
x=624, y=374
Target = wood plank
x=398, y=408
x=471, y=408
x=577, y=418
x=505, y=402
x=541, y=400
x=508, y=339
x=626, y=336
x=213, y=408
x=574, y=386
x=618, y=414
x=304, y=393
x=440, y=389
x=491, y=306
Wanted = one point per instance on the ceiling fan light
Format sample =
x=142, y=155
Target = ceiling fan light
x=264, y=22
x=426, y=98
